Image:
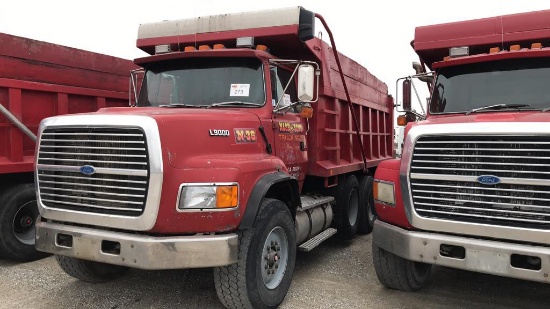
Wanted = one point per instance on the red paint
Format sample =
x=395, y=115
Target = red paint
x=39, y=80
x=389, y=171
x=432, y=42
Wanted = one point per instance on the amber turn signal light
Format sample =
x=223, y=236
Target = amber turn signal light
x=227, y=196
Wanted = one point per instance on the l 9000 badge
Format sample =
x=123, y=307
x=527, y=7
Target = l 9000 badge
x=218, y=132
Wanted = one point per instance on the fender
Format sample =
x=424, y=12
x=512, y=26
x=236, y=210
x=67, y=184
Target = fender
x=260, y=190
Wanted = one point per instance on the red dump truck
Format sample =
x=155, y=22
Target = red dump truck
x=245, y=145
x=39, y=80
x=471, y=190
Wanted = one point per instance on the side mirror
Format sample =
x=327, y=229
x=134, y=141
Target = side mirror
x=306, y=81
x=406, y=90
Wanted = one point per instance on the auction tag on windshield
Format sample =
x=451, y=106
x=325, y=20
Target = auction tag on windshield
x=239, y=90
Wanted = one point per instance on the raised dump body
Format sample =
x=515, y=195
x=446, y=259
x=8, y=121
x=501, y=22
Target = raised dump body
x=40, y=80
x=245, y=149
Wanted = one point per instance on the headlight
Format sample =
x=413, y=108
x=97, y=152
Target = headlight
x=384, y=192
x=201, y=196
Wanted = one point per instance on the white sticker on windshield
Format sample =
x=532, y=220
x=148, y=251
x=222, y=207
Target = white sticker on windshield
x=239, y=90
x=286, y=100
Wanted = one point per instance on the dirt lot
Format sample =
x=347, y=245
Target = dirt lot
x=335, y=275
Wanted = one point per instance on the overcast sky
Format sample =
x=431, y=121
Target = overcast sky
x=377, y=34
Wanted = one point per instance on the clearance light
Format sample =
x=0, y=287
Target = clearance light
x=189, y=48
x=245, y=42
x=262, y=48
x=536, y=46
x=384, y=192
x=402, y=120
x=459, y=51
x=162, y=49
x=494, y=50
x=515, y=47
x=446, y=58
x=204, y=47
x=219, y=46
x=227, y=196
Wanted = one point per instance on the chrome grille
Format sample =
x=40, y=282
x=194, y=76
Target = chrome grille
x=444, y=172
x=119, y=158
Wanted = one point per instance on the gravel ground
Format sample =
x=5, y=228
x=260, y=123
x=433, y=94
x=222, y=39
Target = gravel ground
x=334, y=275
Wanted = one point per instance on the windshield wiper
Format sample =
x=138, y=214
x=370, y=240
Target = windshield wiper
x=233, y=103
x=174, y=105
x=497, y=106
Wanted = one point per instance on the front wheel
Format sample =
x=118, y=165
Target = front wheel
x=267, y=253
x=397, y=273
x=18, y=214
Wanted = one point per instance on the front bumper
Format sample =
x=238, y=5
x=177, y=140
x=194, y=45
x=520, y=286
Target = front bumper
x=137, y=251
x=485, y=256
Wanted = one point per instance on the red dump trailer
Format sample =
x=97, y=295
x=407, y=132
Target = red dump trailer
x=39, y=80
x=244, y=147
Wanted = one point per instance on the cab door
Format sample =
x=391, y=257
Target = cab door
x=289, y=129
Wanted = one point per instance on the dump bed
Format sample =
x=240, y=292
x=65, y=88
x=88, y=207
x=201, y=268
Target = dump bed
x=432, y=42
x=333, y=146
x=39, y=80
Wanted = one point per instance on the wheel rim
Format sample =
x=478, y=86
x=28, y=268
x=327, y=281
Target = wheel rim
x=353, y=207
x=23, y=223
x=274, y=257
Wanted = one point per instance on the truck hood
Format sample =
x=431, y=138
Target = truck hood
x=530, y=116
x=194, y=138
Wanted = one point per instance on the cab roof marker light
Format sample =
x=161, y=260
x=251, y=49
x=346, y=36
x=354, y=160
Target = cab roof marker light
x=262, y=48
x=189, y=48
x=494, y=50
x=204, y=47
x=459, y=51
x=536, y=46
x=515, y=47
x=246, y=42
x=218, y=46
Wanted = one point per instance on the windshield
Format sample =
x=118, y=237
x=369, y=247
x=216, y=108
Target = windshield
x=510, y=82
x=202, y=82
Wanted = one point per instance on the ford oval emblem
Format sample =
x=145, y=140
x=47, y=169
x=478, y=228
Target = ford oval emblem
x=87, y=170
x=488, y=180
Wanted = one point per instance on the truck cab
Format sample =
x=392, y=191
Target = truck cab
x=470, y=191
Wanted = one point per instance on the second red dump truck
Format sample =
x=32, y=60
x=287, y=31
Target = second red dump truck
x=242, y=149
x=471, y=190
x=39, y=80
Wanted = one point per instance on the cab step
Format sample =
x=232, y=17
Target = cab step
x=315, y=241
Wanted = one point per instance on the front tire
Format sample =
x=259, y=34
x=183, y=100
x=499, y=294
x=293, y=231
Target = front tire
x=89, y=271
x=267, y=253
x=18, y=214
x=397, y=273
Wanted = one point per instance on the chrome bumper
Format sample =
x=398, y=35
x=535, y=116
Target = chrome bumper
x=138, y=251
x=485, y=256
